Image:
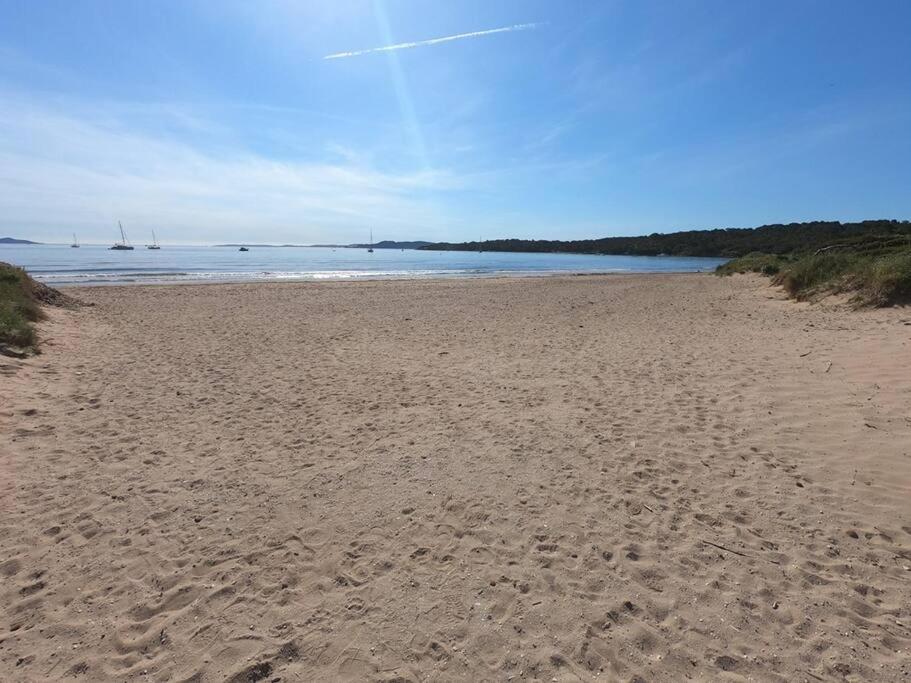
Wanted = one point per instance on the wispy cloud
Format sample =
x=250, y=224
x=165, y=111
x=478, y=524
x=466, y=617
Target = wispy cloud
x=433, y=41
x=63, y=172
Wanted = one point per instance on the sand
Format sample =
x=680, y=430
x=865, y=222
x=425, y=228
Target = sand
x=637, y=478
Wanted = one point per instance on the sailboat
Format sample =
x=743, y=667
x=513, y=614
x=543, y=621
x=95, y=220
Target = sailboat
x=154, y=244
x=370, y=246
x=75, y=244
x=122, y=245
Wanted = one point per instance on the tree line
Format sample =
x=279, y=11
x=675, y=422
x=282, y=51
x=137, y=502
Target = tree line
x=791, y=238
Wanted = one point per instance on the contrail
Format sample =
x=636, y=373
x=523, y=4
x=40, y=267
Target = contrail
x=433, y=41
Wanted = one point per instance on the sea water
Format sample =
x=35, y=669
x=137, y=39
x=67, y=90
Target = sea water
x=97, y=265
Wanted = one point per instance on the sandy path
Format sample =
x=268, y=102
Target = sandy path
x=613, y=478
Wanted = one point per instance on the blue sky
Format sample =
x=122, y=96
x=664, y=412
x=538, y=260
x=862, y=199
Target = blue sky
x=217, y=120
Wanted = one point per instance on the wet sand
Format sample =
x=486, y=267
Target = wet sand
x=644, y=477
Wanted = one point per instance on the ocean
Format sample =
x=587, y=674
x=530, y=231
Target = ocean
x=59, y=265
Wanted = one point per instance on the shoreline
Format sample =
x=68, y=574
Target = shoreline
x=571, y=477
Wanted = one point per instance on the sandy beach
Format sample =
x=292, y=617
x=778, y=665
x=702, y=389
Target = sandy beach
x=631, y=478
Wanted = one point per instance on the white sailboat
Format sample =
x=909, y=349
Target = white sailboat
x=75, y=244
x=370, y=246
x=154, y=244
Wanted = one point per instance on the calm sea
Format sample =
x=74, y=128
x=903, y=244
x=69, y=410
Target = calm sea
x=97, y=265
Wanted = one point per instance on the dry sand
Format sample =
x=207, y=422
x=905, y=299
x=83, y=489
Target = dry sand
x=616, y=478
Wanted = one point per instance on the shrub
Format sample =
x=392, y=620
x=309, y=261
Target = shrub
x=19, y=308
x=15, y=330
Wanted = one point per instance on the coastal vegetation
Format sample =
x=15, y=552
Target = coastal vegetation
x=875, y=271
x=871, y=260
x=21, y=299
x=18, y=308
x=781, y=239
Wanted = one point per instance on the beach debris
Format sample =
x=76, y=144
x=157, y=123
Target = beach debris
x=721, y=547
x=828, y=366
x=803, y=355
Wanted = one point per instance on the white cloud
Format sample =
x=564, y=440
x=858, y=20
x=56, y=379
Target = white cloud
x=65, y=172
x=433, y=41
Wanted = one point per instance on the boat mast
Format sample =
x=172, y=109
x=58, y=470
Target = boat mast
x=123, y=238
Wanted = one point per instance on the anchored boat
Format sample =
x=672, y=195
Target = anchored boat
x=122, y=245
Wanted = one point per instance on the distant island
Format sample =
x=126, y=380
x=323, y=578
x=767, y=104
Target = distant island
x=263, y=246
x=390, y=244
x=721, y=243
x=385, y=244
x=13, y=240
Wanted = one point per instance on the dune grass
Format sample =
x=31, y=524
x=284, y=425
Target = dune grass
x=879, y=276
x=754, y=262
x=19, y=309
x=886, y=280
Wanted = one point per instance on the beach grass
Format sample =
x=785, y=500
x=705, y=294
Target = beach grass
x=754, y=262
x=19, y=308
x=875, y=276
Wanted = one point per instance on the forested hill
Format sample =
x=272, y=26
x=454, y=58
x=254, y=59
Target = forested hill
x=726, y=243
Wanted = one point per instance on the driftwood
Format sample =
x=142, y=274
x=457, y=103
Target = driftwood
x=728, y=550
x=831, y=246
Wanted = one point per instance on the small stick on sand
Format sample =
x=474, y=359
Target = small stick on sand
x=721, y=547
x=828, y=366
